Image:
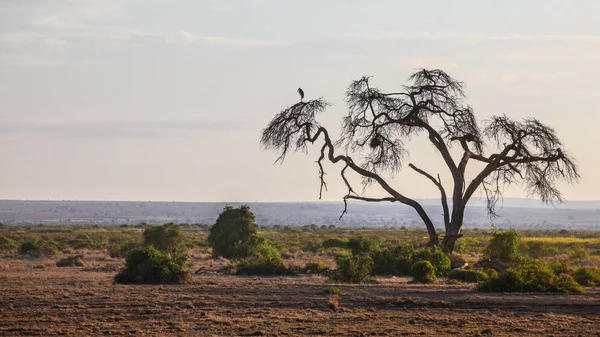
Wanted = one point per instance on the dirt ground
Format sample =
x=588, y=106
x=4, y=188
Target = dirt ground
x=39, y=299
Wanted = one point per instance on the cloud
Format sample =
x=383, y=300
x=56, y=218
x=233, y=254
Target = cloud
x=183, y=37
x=120, y=129
x=381, y=35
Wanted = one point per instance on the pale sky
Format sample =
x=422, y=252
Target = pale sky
x=166, y=100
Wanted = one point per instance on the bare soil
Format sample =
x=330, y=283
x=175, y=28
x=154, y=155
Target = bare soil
x=83, y=301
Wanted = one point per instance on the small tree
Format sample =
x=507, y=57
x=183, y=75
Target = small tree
x=379, y=124
x=167, y=238
x=233, y=232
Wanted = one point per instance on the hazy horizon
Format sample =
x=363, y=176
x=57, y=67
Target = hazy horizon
x=153, y=100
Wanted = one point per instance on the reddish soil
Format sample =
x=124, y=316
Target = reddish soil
x=76, y=301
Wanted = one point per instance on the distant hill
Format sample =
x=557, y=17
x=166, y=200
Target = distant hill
x=517, y=213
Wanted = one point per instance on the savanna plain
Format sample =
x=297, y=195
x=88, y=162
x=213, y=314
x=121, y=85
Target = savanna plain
x=60, y=281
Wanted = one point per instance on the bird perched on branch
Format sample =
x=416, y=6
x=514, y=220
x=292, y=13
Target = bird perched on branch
x=301, y=92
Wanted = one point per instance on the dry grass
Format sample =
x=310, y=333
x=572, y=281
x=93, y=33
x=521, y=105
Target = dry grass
x=85, y=302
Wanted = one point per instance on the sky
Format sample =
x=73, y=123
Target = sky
x=166, y=100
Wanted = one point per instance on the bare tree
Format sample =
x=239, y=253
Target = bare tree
x=379, y=125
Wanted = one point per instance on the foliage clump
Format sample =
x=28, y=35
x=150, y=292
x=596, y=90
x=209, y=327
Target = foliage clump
x=150, y=265
x=352, y=268
x=264, y=260
x=71, y=261
x=436, y=257
x=167, y=238
x=231, y=235
x=530, y=277
x=467, y=275
x=7, y=244
x=38, y=248
x=395, y=261
x=587, y=276
x=162, y=259
x=314, y=268
x=363, y=245
x=423, y=272
x=502, y=250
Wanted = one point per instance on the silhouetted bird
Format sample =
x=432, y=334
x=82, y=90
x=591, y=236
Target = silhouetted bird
x=301, y=92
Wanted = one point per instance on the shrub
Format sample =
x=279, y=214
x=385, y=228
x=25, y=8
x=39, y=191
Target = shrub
x=230, y=235
x=467, y=275
x=314, y=268
x=336, y=243
x=71, y=261
x=560, y=266
x=438, y=259
x=363, y=245
x=503, y=246
x=265, y=260
x=578, y=252
x=167, y=238
x=352, y=268
x=539, y=249
x=531, y=277
x=587, y=276
x=423, y=272
x=396, y=261
x=121, y=250
x=7, y=244
x=38, y=248
x=150, y=265
x=334, y=291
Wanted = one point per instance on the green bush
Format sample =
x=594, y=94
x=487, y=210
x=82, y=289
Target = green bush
x=578, y=252
x=38, y=248
x=71, y=261
x=352, y=268
x=560, y=266
x=7, y=244
x=363, y=245
x=336, y=243
x=503, y=246
x=121, y=250
x=539, y=249
x=264, y=260
x=167, y=238
x=314, y=268
x=395, y=261
x=438, y=259
x=150, y=265
x=467, y=275
x=423, y=272
x=587, y=276
x=531, y=277
x=334, y=291
x=231, y=234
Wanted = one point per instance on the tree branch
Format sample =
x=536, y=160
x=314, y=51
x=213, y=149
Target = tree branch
x=438, y=184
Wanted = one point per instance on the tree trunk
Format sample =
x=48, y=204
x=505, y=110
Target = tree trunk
x=453, y=230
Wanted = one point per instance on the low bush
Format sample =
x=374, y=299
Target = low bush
x=334, y=291
x=503, y=246
x=121, y=250
x=395, y=261
x=71, y=261
x=467, y=275
x=265, y=260
x=531, y=277
x=587, y=276
x=7, y=244
x=167, y=238
x=336, y=243
x=363, y=245
x=352, y=268
x=560, y=266
x=150, y=265
x=423, y=272
x=314, y=268
x=438, y=259
x=38, y=248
